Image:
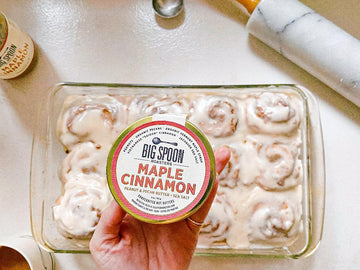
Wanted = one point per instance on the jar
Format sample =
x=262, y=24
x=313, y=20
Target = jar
x=16, y=49
x=161, y=169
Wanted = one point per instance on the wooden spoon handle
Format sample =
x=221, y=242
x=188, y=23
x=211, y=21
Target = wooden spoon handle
x=250, y=5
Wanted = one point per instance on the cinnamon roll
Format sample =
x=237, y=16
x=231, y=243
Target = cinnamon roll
x=230, y=176
x=85, y=158
x=147, y=105
x=272, y=113
x=78, y=210
x=98, y=119
x=273, y=222
x=217, y=224
x=215, y=115
x=279, y=167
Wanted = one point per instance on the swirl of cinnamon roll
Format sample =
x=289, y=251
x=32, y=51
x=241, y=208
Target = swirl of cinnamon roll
x=85, y=158
x=98, y=119
x=147, y=105
x=273, y=222
x=279, y=167
x=273, y=113
x=215, y=115
x=230, y=175
x=215, y=228
x=78, y=210
x=243, y=164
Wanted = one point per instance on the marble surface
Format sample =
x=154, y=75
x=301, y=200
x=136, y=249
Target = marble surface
x=311, y=41
x=122, y=41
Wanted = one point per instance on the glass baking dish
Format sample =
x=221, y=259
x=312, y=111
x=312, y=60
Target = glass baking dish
x=48, y=153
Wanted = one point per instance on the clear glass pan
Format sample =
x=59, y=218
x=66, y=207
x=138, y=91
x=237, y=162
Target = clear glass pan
x=47, y=154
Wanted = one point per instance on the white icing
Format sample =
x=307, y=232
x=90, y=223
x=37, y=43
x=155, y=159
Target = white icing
x=215, y=115
x=272, y=113
x=262, y=129
x=279, y=167
x=78, y=210
x=230, y=175
x=85, y=158
x=242, y=167
x=98, y=119
x=146, y=105
x=217, y=223
x=245, y=229
x=275, y=221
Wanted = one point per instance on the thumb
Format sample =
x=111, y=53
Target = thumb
x=109, y=224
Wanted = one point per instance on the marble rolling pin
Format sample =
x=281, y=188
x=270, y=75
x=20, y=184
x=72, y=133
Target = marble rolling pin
x=310, y=41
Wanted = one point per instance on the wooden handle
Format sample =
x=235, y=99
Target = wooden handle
x=250, y=5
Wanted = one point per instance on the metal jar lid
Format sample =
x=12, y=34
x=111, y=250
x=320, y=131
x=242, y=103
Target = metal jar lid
x=161, y=169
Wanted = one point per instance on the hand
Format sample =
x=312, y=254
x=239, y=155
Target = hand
x=123, y=242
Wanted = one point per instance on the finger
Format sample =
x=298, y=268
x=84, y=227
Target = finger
x=110, y=221
x=222, y=156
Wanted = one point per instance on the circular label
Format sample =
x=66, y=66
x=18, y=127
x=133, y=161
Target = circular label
x=16, y=51
x=160, y=171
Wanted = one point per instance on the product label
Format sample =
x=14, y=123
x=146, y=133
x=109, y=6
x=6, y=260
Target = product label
x=16, y=53
x=160, y=170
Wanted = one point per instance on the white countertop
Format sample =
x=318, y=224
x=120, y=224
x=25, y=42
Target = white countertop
x=122, y=41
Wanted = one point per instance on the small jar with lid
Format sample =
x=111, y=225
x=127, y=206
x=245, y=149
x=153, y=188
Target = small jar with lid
x=16, y=49
x=161, y=169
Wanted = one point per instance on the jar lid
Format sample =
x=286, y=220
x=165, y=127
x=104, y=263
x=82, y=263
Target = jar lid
x=3, y=30
x=161, y=169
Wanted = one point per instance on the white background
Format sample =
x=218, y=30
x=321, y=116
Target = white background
x=122, y=41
